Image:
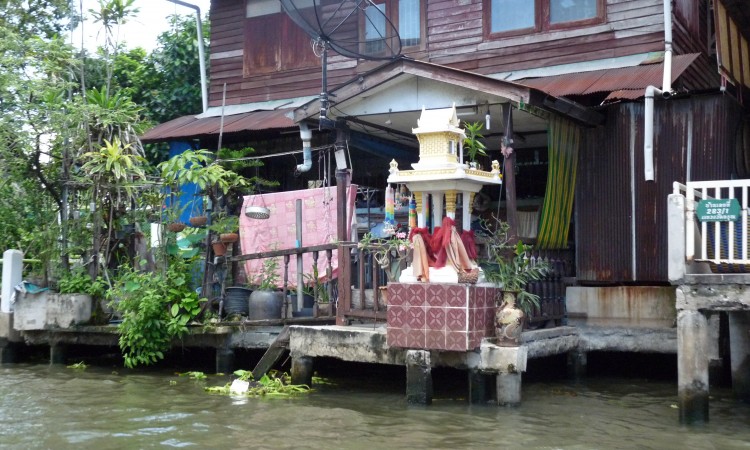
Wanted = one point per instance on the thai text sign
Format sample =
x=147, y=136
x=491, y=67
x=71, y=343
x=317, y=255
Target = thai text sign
x=725, y=210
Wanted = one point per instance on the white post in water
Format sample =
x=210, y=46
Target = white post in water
x=12, y=275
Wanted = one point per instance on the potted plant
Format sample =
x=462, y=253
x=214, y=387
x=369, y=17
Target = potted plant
x=266, y=301
x=316, y=292
x=225, y=227
x=511, y=270
x=472, y=144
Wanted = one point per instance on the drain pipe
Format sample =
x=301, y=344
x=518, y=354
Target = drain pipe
x=306, y=135
x=652, y=91
x=201, y=51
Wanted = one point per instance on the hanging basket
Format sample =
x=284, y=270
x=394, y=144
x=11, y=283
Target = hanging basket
x=198, y=221
x=257, y=212
x=176, y=227
x=229, y=238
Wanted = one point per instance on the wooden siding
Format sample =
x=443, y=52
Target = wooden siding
x=603, y=212
x=454, y=38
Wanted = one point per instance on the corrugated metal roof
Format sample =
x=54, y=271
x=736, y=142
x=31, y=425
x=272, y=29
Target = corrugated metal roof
x=192, y=127
x=622, y=83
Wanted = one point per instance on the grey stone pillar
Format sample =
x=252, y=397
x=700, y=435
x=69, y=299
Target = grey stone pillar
x=739, y=351
x=7, y=352
x=478, y=387
x=509, y=389
x=12, y=275
x=302, y=370
x=577, y=363
x=418, y=377
x=692, y=366
x=224, y=360
x=57, y=353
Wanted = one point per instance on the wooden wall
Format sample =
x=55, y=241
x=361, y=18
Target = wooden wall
x=455, y=38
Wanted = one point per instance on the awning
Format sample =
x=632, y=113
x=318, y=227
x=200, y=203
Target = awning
x=626, y=83
x=190, y=127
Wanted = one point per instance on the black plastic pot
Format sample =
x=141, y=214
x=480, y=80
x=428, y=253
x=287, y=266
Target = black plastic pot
x=265, y=305
x=236, y=300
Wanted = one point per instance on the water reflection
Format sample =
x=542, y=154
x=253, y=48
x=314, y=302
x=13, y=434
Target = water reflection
x=43, y=407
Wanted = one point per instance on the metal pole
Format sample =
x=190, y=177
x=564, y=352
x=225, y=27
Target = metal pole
x=300, y=294
x=201, y=50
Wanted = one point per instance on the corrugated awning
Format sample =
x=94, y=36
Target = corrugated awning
x=623, y=83
x=188, y=127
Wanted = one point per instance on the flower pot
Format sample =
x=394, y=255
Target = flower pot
x=265, y=305
x=229, y=238
x=508, y=320
x=236, y=300
x=220, y=248
x=176, y=227
x=198, y=221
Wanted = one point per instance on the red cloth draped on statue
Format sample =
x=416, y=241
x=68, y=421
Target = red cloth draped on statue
x=443, y=246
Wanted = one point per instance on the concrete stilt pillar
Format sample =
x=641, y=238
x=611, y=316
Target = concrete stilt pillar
x=739, y=351
x=7, y=353
x=692, y=366
x=577, y=363
x=302, y=370
x=57, y=353
x=478, y=387
x=224, y=360
x=12, y=275
x=418, y=377
x=509, y=389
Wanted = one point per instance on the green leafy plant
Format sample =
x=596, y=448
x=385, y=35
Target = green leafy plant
x=224, y=223
x=510, y=266
x=199, y=167
x=315, y=287
x=268, y=277
x=78, y=366
x=472, y=144
x=77, y=281
x=156, y=308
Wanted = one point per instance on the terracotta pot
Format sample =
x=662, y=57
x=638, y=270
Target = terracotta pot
x=198, y=221
x=176, y=227
x=220, y=248
x=229, y=238
x=509, y=320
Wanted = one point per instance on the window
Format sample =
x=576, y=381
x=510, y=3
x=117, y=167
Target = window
x=507, y=17
x=273, y=42
x=406, y=16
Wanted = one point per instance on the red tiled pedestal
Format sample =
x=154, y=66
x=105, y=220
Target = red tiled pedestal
x=440, y=316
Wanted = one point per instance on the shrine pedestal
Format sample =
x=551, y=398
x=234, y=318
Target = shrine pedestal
x=440, y=316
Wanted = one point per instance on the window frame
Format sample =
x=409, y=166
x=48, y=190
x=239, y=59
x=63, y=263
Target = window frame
x=542, y=23
x=392, y=12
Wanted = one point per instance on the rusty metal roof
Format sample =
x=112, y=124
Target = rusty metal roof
x=622, y=83
x=192, y=127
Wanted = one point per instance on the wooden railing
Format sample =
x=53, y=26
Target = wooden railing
x=551, y=290
x=315, y=251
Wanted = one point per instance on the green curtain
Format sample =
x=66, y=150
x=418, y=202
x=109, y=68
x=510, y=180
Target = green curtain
x=564, y=138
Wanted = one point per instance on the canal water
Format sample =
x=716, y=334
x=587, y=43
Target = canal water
x=54, y=407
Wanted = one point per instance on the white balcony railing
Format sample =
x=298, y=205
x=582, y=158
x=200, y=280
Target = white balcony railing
x=721, y=245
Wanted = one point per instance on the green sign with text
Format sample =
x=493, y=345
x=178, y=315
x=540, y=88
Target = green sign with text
x=726, y=210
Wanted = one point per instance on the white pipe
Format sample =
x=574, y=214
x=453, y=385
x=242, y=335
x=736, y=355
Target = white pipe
x=306, y=135
x=651, y=91
x=201, y=50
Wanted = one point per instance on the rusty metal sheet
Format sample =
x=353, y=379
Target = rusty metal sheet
x=629, y=81
x=192, y=127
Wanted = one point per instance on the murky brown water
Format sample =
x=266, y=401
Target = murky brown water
x=60, y=408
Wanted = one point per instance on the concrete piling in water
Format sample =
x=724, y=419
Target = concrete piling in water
x=576, y=364
x=7, y=352
x=57, y=353
x=224, y=360
x=478, y=387
x=418, y=377
x=302, y=370
x=692, y=366
x=509, y=388
x=739, y=343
